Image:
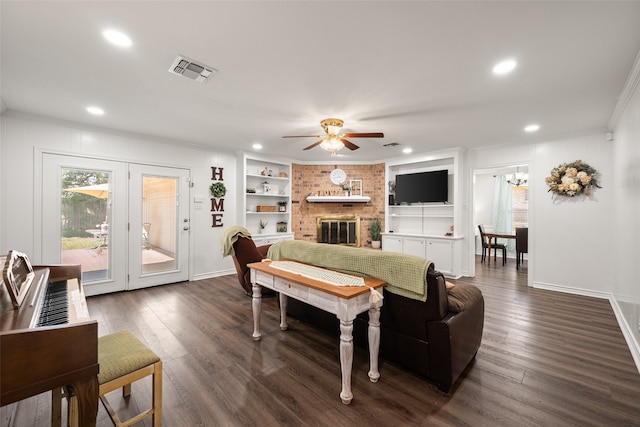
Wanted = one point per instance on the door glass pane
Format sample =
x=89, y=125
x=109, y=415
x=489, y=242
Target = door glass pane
x=85, y=222
x=159, y=224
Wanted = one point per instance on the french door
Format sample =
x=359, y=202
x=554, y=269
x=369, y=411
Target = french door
x=123, y=223
x=159, y=225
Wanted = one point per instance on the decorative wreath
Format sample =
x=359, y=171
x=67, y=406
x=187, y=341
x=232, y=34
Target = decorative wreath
x=572, y=179
x=218, y=189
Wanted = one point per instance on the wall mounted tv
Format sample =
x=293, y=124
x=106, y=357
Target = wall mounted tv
x=422, y=187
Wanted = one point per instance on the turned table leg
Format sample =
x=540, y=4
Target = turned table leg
x=283, y=312
x=346, y=359
x=256, y=304
x=374, y=342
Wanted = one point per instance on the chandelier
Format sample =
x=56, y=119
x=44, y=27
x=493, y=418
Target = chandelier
x=517, y=179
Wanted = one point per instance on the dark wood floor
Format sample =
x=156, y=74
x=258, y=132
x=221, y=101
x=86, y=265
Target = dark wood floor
x=547, y=359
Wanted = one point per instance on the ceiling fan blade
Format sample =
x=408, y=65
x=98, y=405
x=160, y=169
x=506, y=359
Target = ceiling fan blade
x=302, y=136
x=350, y=145
x=364, y=135
x=313, y=145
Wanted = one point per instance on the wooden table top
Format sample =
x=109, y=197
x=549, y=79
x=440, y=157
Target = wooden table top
x=340, y=291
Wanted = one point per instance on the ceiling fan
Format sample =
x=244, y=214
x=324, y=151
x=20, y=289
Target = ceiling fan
x=333, y=140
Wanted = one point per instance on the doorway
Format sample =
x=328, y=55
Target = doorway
x=500, y=202
x=99, y=213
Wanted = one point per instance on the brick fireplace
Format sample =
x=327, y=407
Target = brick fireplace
x=311, y=179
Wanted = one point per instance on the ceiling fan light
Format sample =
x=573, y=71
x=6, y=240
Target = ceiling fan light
x=332, y=144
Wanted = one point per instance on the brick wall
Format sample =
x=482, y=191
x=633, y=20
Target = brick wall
x=314, y=180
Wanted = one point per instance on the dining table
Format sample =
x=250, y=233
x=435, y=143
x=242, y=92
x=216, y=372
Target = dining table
x=491, y=235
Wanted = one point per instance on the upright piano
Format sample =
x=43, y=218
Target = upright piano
x=47, y=339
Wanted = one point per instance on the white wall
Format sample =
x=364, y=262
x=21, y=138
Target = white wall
x=625, y=223
x=573, y=236
x=483, y=192
x=24, y=136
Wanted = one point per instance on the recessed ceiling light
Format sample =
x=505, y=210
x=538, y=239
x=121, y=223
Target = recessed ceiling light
x=96, y=111
x=117, y=38
x=257, y=146
x=532, y=128
x=504, y=67
x=407, y=150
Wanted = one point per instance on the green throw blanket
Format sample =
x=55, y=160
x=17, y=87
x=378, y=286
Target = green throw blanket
x=406, y=275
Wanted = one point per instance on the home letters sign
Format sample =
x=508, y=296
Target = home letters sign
x=218, y=191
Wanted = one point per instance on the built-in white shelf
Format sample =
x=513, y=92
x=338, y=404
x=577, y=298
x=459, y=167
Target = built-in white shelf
x=267, y=178
x=338, y=199
x=267, y=195
x=270, y=190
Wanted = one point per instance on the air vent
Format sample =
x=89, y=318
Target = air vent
x=191, y=69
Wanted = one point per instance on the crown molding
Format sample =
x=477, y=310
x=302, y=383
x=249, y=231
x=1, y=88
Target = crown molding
x=627, y=92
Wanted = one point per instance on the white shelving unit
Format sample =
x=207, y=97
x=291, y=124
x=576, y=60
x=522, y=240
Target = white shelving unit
x=266, y=186
x=426, y=229
x=422, y=219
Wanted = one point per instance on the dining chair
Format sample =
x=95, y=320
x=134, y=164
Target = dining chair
x=522, y=244
x=494, y=246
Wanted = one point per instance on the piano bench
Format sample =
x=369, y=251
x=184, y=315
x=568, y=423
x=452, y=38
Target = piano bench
x=123, y=360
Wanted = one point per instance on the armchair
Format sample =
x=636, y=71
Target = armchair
x=246, y=252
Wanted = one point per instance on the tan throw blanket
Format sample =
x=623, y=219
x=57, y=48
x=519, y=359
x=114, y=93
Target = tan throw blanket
x=230, y=236
x=406, y=275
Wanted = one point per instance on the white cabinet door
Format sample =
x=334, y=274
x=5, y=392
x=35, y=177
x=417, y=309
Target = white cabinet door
x=392, y=243
x=440, y=252
x=415, y=246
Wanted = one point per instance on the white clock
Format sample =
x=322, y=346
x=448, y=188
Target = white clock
x=338, y=176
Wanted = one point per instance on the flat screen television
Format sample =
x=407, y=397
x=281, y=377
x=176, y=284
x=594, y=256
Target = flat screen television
x=422, y=187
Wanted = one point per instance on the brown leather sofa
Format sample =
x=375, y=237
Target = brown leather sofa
x=437, y=338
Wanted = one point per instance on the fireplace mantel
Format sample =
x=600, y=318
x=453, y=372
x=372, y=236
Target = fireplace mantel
x=338, y=199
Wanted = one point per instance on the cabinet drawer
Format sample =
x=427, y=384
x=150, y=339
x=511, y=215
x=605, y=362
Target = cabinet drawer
x=291, y=288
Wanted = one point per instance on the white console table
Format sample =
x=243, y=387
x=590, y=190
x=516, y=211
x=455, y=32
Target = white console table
x=346, y=302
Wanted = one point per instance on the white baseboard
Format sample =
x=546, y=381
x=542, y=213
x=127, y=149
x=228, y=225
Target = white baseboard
x=572, y=290
x=211, y=275
x=627, y=331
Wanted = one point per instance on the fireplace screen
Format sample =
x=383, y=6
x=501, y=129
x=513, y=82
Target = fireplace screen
x=339, y=230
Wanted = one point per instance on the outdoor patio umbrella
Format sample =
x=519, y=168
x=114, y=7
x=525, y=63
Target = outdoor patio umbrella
x=101, y=191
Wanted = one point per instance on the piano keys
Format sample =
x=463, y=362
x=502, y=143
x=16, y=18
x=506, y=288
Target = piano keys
x=49, y=341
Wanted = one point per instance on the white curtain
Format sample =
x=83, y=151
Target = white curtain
x=502, y=212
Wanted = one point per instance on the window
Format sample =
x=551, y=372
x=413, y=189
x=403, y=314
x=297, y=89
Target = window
x=520, y=206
